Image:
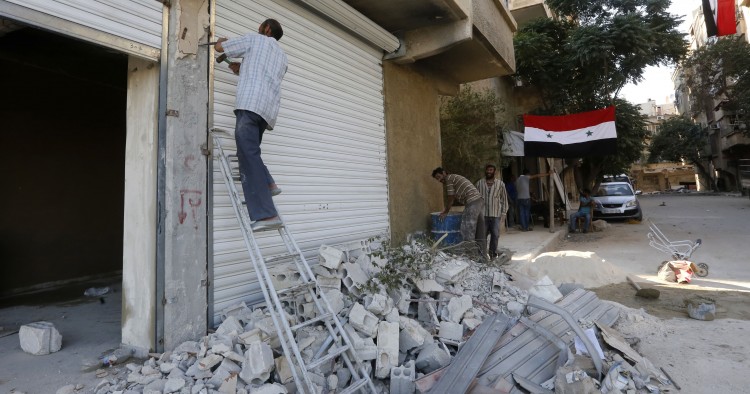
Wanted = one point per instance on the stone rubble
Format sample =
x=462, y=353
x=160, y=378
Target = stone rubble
x=400, y=334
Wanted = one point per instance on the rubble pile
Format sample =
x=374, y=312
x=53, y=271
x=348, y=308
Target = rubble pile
x=401, y=333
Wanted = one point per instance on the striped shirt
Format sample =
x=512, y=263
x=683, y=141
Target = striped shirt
x=462, y=188
x=264, y=64
x=495, y=198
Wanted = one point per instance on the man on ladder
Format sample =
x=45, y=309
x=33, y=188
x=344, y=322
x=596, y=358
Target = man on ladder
x=256, y=107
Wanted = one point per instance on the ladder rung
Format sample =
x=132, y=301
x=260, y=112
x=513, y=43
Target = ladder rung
x=327, y=357
x=296, y=287
x=311, y=321
x=355, y=386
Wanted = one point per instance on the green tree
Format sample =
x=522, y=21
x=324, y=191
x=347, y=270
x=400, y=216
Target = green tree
x=680, y=140
x=720, y=72
x=580, y=62
x=470, y=132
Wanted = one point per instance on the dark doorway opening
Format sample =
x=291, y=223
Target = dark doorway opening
x=63, y=112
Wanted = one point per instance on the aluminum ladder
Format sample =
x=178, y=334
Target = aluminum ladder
x=343, y=344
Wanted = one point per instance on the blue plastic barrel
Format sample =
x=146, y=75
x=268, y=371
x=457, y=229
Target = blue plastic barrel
x=451, y=225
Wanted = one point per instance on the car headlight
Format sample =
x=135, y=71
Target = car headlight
x=631, y=204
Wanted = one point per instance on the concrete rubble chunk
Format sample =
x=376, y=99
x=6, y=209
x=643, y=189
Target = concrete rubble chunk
x=412, y=334
x=428, y=286
x=250, y=336
x=284, y=276
x=187, y=347
x=515, y=308
x=452, y=331
x=456, y=308
x=402, y=298
x=274, y=388
x=283, y=370
x=432, y=357
x=230, y=326
x=229, y=385
x=174, y=385
x=363, y=321
x=545, y=289
x=498, y=282
x=379, y=304
x=335, y=300
x=326, y=283
x=388, y=345
x=209, y=362
x=156, y=386
x=453, y=271
x=69, y=389
x=40, y=338
x=471, y=324
x=330, y=257
x=403, y=379
x=258, y=364
x=235, y=310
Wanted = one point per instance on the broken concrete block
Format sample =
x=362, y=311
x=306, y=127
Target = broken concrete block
x=306, y=310
x=231, y=327
x=403, y=379
x=363, y=321
x=388, y=342
x=515, y=308
x=452, y=331
x=545, y=289
x=335, y=300
x=250, y=336
x=498, y=282
x=426, y=310
x=379, y=304
x=258, y=364
x=432, y=357
x=283, y=370
x=208, y=362
x=471, y=324
x=174, y=385
x=269, y=388
x=402, y=298
x=454, y=271
x=284, y=276
x=412, y=334
x=371, y=264
x=326, y=283
x=353, y=276
x=40, y=338
x=428, y=285
x=456, y=308
x=330, y=257
x=344, y=375
x=392, y=316
x=229, y=385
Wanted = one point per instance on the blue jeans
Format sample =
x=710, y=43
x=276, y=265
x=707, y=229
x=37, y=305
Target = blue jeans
x=492, y=225
x=579, y=214
x=524, y=213
x=254, y=174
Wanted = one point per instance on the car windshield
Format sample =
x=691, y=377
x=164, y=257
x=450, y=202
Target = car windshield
x=613, y=190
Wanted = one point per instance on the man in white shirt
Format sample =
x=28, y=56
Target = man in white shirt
x=524, y=198
x=495, y=205
x=256, y=108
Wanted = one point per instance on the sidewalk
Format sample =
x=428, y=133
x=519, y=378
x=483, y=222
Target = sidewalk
x=526, y=245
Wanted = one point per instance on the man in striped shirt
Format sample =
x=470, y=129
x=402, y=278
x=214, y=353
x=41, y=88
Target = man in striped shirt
x=495, y=205
x=257, y=105
x=472, y=221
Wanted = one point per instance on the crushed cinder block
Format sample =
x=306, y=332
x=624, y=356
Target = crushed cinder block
x=456, y=308
x=230, y=326
x=498, y=281
x=250, y=336
x=258, y=363
x=453, y=271
x=335, y=300
x=402, y=299
x=426, y=311
x=283, y=370
x=229, y=385
x=174, y=385
x=284, y=276
x=403, y=379
x=270, y=388
x=378, y=304
x=363, y=321
x=40, y=338
x=328, y=283
x=207, y=362
x=412, y=334
x=352, y=277
x=432, y=357
x=471, y=324
x=451, y=331
x=392, y=316
x=515, y=308
x=545, y=289
x=388, y=344
x=371, y=264
x=330, y=257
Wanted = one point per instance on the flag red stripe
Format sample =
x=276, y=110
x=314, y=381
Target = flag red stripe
x=570, y=122
x=725, y=22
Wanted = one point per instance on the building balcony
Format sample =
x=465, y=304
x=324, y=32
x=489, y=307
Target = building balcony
x=464, y=40
x=524, y=11
x=735, y=140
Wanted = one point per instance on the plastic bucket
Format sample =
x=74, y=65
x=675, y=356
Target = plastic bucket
x=451, y=226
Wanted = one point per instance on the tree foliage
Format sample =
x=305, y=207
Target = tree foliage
x=580, y=62
x=680, y=140
x=720, y=71
x=470, y=133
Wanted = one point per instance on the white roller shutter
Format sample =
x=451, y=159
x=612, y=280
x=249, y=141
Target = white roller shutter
x=327, y=151
x=138, y=22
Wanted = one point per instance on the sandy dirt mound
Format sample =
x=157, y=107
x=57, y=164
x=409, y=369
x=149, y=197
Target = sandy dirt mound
x=570, y=266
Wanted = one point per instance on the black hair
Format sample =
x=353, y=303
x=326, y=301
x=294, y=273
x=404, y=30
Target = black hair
x=526, y=171
x=490, y=166
x=438, y=170
x=276, y=31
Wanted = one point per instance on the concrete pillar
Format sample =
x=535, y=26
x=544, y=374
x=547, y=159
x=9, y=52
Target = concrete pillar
x=183, y=186
x=139, y=235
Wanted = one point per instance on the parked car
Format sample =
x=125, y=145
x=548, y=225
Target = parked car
x=617, y=178
x=616, y=200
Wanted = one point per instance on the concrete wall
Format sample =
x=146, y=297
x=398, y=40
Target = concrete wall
x=413, y=142
x=139, y=238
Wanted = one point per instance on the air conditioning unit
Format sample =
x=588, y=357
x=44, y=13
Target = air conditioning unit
x=715, y=127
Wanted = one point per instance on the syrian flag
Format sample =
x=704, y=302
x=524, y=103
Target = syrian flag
x=569, y=136
x=719, y=15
